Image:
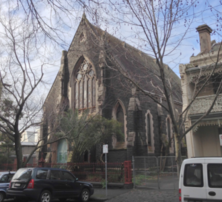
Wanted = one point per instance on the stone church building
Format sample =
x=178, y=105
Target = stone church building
x=90, y=77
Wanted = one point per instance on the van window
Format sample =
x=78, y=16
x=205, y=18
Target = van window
x=193, y=176
x=214, y=175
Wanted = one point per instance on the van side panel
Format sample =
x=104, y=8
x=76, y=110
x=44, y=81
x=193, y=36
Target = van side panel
x=213, y=177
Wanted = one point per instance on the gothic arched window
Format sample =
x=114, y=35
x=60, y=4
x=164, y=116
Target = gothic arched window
x=120, y=117
x=85, y=87
x=170, y=134
x=149, y=132
x=169, y=129
x=148, y=129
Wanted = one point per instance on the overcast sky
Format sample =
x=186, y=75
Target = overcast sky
x=203, y=14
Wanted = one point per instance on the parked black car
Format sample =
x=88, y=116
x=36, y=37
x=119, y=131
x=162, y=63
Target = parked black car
x=44, y=184
x=5, y=178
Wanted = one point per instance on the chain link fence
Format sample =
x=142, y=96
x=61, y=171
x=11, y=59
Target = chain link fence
x=155, y=172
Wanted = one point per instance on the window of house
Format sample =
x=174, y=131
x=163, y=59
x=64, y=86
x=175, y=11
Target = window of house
x=85, y=87
x=214, y=175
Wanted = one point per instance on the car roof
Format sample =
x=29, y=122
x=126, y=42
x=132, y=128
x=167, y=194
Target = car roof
x=6, y=172
x=61, y=169
x=203, y=159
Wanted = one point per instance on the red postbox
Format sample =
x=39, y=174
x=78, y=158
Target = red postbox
x=128, y=172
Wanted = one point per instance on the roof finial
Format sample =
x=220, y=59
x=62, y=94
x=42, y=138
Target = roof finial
x=84, y=15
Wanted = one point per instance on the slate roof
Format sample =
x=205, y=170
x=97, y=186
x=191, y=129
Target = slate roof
x=139, y=65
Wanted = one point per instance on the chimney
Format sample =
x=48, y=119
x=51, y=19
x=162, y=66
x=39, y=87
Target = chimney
x=205, y=40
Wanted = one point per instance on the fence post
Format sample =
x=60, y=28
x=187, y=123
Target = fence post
x=145, y=167
x=158, y=173
x=134, y=177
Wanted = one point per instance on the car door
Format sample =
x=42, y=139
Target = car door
x=214, y=181
x=72, y=187
x=41, y=178
x=56, y=182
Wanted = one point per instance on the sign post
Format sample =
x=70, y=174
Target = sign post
x=220, y=136
x=105, y=151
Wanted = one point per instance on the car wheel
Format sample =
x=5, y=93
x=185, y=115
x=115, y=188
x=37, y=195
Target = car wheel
x=84, y=195
x=2, y=196
x=45, y=196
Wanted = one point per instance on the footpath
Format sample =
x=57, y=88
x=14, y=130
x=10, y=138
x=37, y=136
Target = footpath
x=135, y=195
x=167, y=191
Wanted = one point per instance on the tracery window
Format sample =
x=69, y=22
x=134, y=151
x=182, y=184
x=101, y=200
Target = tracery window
x=85, y=87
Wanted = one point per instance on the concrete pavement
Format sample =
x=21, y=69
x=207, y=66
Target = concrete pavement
x=144, y=195
x=136, y=195
x=100, y=194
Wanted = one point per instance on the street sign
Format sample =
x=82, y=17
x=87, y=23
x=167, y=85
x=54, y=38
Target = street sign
x=220, y=136
x=105, y=148
x=105, y=151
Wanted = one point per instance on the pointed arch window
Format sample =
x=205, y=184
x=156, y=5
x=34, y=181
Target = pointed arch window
x=120, y=118
x=148, y=129
x=170, y=134
x=168, y=129
x=85, y=87
x=149, y=132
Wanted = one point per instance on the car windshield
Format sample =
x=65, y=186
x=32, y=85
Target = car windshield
x=22, y=174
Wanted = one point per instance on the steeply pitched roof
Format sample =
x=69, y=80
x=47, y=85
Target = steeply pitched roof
x=140, y=66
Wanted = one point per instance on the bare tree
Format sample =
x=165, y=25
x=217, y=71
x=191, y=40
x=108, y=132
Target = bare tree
x=153, y=23
x=20, y=78
x=28, y=30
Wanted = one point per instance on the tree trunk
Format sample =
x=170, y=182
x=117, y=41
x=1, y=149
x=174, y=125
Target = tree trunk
x=18, y=150
x=178, y=152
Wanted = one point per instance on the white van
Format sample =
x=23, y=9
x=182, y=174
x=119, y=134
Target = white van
x=201, y=180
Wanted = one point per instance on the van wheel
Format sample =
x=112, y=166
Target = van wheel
x=84, y=197
x=2, y=196
x=45, y=196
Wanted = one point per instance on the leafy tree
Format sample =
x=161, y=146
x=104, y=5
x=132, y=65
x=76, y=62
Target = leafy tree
x=6, y=148
x=85, y=131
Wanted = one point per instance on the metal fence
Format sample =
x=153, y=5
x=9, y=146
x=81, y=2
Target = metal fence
x=155, y=172
x=94, y=172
